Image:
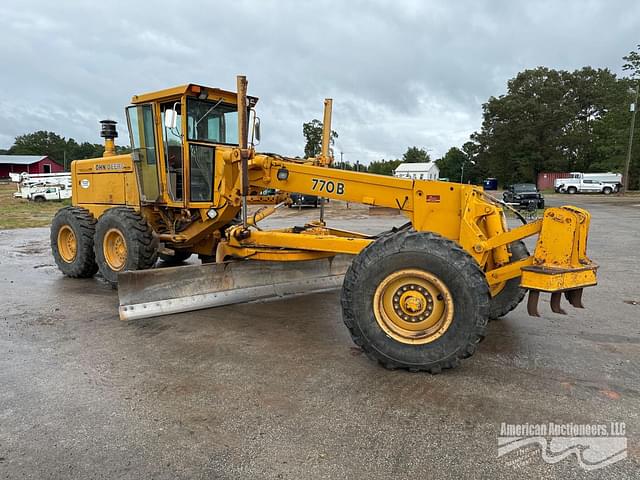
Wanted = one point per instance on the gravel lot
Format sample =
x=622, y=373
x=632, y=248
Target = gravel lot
x=278, y=390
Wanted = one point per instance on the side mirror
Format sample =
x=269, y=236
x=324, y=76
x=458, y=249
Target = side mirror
x=256, y=129
x=170, y=119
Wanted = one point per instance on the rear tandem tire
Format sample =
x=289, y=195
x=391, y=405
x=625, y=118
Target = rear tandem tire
x=511, y=295
x=72, y=231
x=393, y=280
x=123, y=241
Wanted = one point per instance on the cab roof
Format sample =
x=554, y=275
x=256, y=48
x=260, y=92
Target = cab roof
x=190, y=89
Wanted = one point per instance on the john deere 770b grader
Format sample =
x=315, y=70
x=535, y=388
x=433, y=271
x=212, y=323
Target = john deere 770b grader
x=415, y=297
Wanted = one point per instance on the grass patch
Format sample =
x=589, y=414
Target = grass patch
x=21, y=213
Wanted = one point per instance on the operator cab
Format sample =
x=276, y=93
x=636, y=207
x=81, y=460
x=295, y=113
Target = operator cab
x=174, y=136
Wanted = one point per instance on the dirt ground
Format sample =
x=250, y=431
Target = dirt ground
x=278, y=390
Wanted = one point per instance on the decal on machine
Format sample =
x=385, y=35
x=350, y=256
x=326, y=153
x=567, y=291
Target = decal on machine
x=109, y=166
x=329, y=186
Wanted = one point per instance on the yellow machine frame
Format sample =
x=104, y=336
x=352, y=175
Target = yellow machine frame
x=462, y=213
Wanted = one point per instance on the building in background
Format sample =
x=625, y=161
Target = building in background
x=28, y=163
x=417, y=171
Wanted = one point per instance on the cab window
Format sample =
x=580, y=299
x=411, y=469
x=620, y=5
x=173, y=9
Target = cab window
x=212, y=121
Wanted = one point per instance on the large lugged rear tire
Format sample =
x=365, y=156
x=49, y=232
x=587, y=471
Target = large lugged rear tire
x=415, y=300
x=72, y=231
x=511, y=294
x=124, y=241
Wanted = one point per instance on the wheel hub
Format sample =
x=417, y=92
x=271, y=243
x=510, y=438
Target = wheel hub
x=413, y=301
x=67, y=244
x=115, y=249
x=413, y=306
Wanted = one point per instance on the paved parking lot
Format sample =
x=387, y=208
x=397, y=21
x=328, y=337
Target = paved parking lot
x=278, y=390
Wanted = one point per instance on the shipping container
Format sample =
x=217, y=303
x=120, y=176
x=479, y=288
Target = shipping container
x=546, y=179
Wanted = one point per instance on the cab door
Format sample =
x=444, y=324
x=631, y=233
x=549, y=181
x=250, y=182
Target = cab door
x=141, y=120
x=173, y=152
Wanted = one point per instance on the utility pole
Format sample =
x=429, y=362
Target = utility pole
x=633, y=108
x=472, y=162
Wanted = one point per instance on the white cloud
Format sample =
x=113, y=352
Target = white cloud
x=401, y=73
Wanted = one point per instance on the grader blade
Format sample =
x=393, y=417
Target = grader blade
x=164, y=291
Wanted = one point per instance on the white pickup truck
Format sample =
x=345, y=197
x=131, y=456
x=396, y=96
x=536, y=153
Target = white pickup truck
x=578, y=182
x=41, y=194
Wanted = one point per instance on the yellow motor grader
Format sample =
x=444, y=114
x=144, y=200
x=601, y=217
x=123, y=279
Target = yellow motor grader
x=415, y=297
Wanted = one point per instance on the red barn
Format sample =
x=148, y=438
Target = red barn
x=27, y=163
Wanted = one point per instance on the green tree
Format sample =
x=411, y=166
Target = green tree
x=415, y=155
x=312, y=132
x=632, y=63
x=40, y=143
x=58, y=148
x=552, y=120
x=450, y=165
x=383, y=167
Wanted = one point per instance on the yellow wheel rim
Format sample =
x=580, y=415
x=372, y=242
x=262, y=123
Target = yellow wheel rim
x=67, y=244
x=114, y=247
x=413, y=306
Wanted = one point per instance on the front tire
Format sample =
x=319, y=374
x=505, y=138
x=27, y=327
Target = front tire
x=72, y=231
x=415, y=300
x=572, y=190
x=124, y=241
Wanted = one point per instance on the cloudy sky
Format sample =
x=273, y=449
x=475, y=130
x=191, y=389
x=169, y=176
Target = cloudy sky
x=401, y=73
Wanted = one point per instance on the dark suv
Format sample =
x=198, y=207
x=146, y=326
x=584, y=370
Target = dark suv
x=299, y=200
x=523, y=194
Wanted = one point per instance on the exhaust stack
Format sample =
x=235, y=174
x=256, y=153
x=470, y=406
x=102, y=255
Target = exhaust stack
x=109, y=133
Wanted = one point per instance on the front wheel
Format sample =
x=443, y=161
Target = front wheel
x=72, y=231
x=572, y=190
x=124, y=241
x=415, y=300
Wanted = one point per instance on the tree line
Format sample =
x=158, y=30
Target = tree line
x=547, y=121
x=59, y=149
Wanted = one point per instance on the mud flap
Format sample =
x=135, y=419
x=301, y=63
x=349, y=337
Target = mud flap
x=165, y=291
